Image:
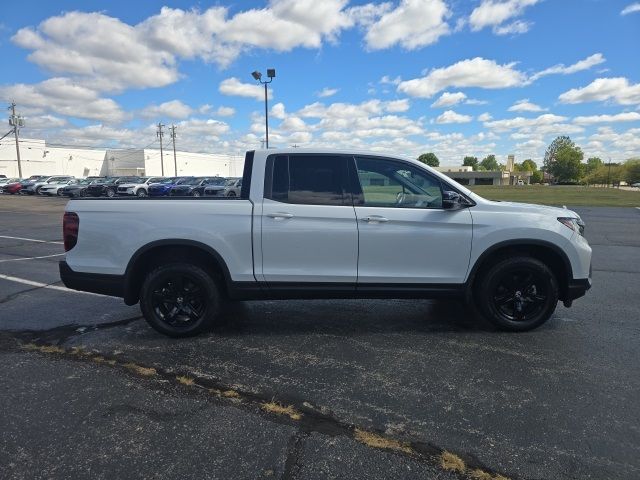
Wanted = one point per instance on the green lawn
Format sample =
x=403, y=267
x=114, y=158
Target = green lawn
x=562, y=195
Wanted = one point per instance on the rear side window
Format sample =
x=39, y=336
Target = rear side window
x=309, y=180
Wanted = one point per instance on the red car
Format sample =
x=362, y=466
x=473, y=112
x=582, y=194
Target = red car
x=12, y=188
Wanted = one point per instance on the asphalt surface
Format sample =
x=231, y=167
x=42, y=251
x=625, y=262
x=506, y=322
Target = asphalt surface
x=560, y=402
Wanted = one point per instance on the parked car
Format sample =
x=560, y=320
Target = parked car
x=326, y=224
x=162, y=189
x=12, y=187
x=78, y=189
x=55, y=188
x=636, y=185
x=33, y=187
x=193, y=187
x=139, y=189
x=2, y=176
x=5, y=181
x=230, y=188
x=108, y=186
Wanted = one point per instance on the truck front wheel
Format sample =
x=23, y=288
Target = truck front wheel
x=517, y=294
x=179, y=299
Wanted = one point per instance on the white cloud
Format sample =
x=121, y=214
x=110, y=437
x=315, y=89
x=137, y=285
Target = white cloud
x=618, y=90
x=42, y=122
x=395, y=106
x=520, y=122
x=449, y=99
x=223, y=111
x=293, y=124
x=620, y=117
x=412, y=24
x=475, y=72
x=64, y=97
x=387, y=80
x=632, y=8
x=525, y=105
x=450, y=116
x=234, y=87
x=493, y=13
x=514, y=28
x=327, y=92
x=585, y=64
x=484, y=117
x=172, y=109
x=278, y=111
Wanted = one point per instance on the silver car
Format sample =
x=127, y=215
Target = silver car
x=33, y=188
x=230, y=187
x=55, y=188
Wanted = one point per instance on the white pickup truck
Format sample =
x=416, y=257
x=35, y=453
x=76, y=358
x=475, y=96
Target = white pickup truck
x=327, y=224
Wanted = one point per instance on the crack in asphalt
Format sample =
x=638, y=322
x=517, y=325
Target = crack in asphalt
x=313, y=419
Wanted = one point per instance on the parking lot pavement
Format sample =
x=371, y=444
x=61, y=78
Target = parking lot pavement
x=557, y=402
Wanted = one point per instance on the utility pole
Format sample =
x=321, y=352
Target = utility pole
x=16, y=121
x=160, y=134
x=609, y=172
x=173, y=137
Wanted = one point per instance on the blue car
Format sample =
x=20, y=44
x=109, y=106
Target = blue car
x=162, y=189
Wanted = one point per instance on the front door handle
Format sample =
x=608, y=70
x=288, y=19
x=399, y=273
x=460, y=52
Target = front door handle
x=280, y=215
x=375, y=219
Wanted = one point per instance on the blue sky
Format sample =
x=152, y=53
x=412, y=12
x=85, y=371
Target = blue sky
x=450, y=76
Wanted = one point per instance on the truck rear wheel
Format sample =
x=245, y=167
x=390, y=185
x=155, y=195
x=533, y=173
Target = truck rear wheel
x=179, y=299
x=517, y=294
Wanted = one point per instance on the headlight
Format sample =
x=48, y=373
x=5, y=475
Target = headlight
x=575, y=224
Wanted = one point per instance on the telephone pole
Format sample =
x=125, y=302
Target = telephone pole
x=16, y=121
x=173, y=137
x=160, y=134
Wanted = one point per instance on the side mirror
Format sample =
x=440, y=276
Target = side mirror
x=452, y=200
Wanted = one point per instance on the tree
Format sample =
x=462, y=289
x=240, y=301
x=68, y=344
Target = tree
x=490, y=163
x=536, y=177
x=592, y=165
x=632, y=171
x=552, y=151
x=430, y=159
x=471, y=162
x=567, y=164
x=529, y=166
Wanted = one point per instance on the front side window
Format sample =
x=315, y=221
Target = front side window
x=389, y=183
x=309, y=179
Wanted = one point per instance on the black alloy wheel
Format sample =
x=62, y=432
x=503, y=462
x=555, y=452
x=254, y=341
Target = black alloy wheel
x=142, y=193
x=179, y=299
x=518, y=294
x=110, y=193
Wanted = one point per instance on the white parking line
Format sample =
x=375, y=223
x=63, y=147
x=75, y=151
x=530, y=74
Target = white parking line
x=45, y=285
x=30, y=258
x=31, y=240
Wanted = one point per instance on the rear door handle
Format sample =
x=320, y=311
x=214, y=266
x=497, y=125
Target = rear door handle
x=375, y=219
x=280, y=215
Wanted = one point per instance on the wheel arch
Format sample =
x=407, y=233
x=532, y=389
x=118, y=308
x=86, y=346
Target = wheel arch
x=154, y=253
x=548, y=253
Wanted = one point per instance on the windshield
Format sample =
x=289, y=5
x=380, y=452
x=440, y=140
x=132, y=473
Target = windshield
x=192, y=181
x=166, y=181
x=183, y=181
x=231, y=181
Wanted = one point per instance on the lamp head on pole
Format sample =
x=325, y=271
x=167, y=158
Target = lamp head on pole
x=271, y=72
x=257, y=75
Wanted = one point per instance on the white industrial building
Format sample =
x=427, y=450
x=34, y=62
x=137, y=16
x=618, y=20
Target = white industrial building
x=39, y=159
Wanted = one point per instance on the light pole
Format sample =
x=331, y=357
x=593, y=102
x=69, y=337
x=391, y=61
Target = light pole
x=17, y=122
x=271, y=73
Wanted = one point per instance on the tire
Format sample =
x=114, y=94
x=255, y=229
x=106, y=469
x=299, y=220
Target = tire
x=141, y=193
x=110, y=193
x=231, y=194
x=517, y=294
x=195, y=193
x=37, y=191
x=159, y=300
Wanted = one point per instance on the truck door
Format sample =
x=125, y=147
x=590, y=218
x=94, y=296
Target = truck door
x=406, y=237
x=309, y=230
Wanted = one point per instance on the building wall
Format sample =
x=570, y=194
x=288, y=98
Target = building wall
x=39, y=159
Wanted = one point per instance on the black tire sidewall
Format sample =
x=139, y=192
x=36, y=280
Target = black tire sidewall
x=204, y=280
x=487, y=285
